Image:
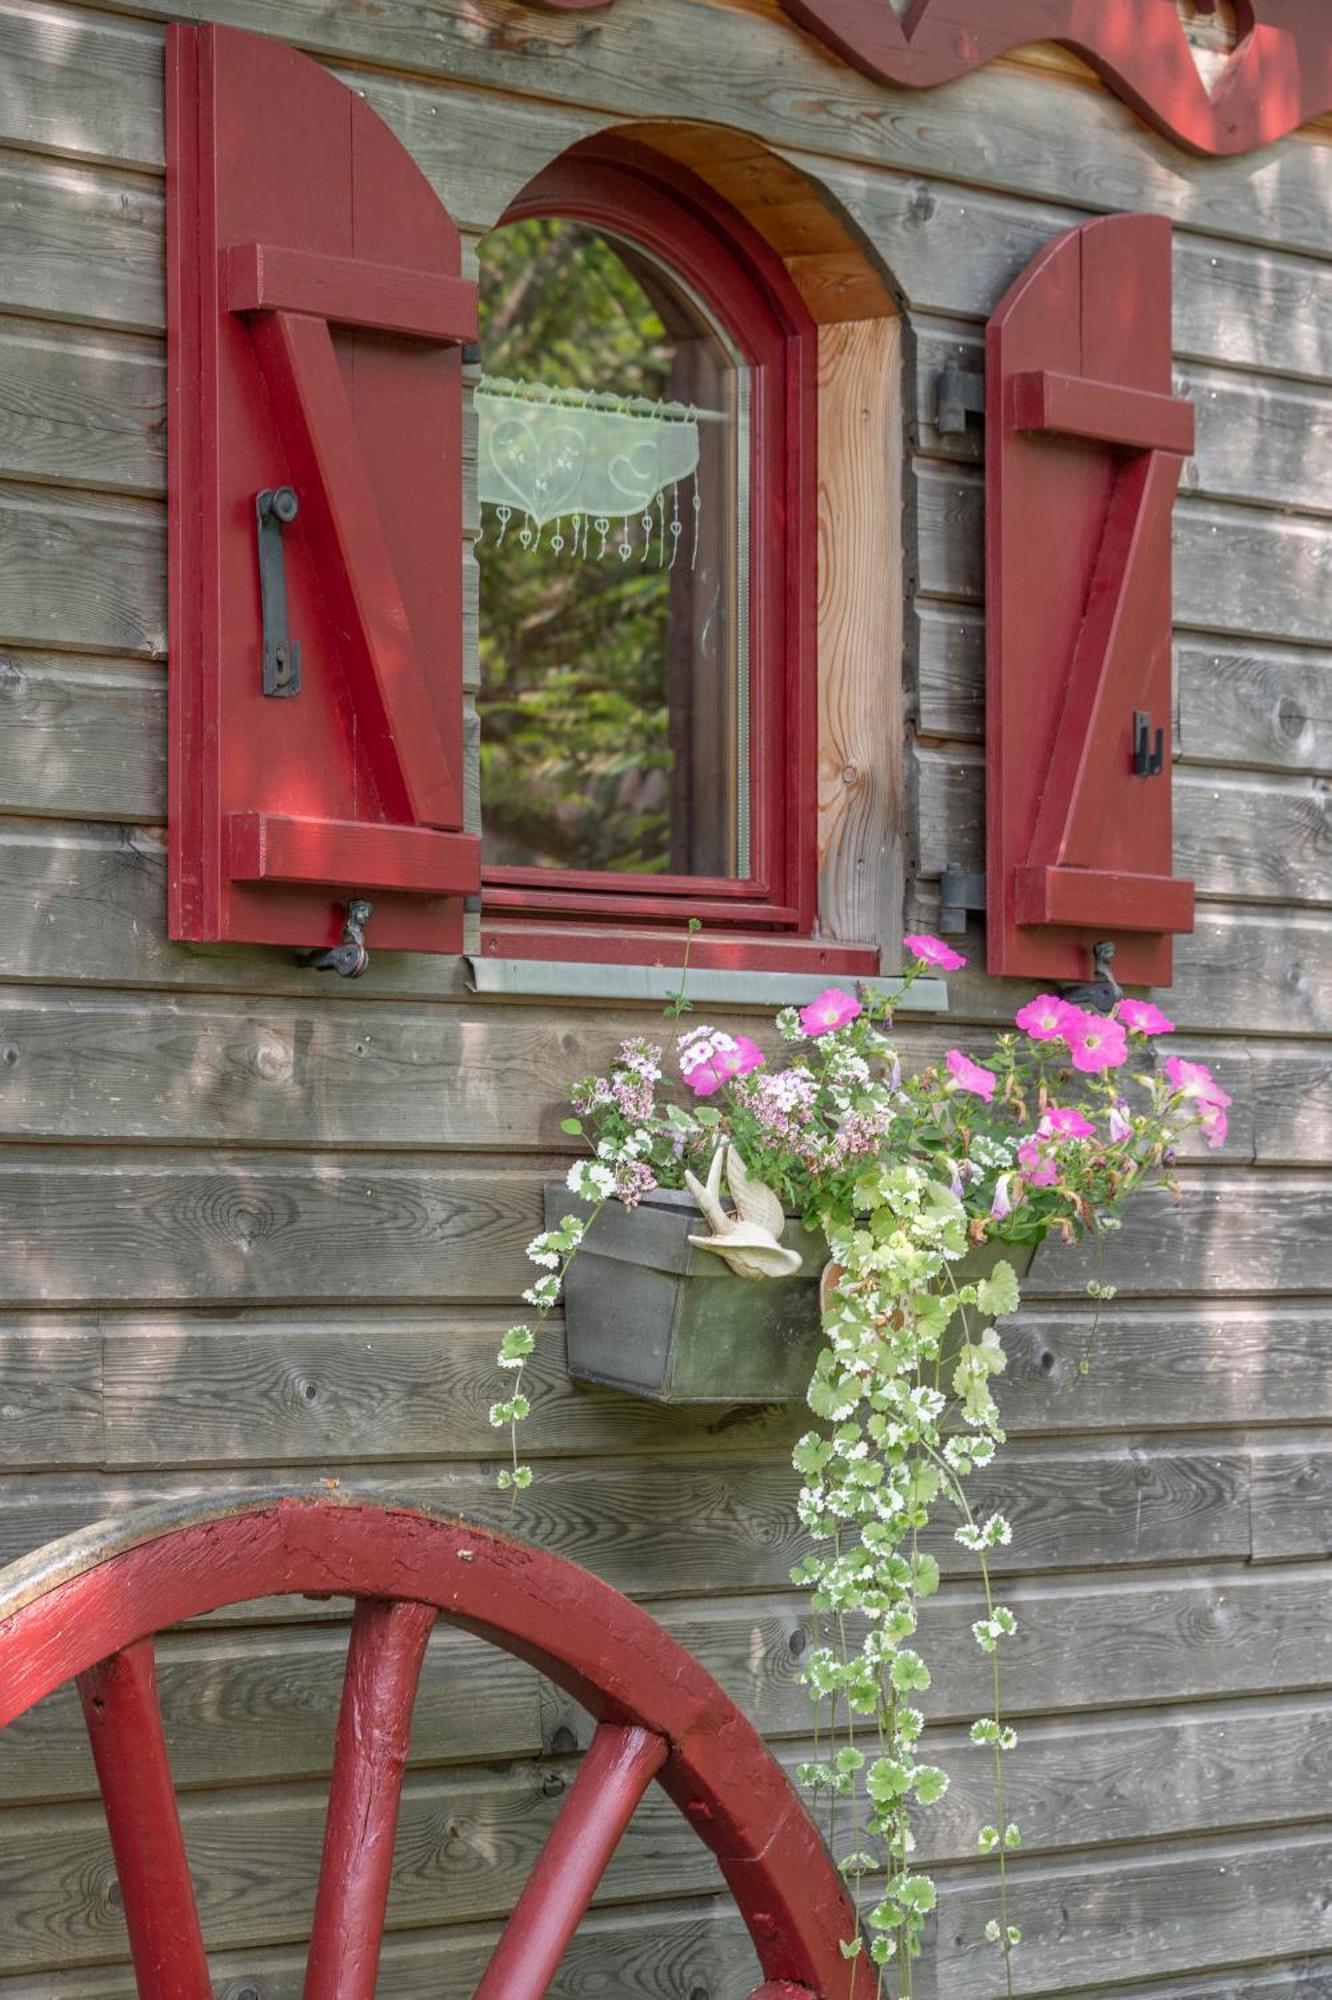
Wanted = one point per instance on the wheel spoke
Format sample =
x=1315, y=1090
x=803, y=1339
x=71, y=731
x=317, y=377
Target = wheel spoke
x=388, y=1642
x=120, y=1707
x=616, y=1771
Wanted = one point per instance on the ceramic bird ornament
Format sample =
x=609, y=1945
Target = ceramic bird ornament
x=747, y=1240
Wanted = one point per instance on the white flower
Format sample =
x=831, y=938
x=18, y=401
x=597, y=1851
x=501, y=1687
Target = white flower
x=590, y=1179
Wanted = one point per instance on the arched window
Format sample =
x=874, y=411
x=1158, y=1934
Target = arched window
x=647, y=554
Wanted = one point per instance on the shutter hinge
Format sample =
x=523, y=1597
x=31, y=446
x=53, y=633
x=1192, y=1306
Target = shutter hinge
x=960, y=890
x=959, y=393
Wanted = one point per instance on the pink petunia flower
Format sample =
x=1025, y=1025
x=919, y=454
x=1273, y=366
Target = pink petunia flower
x=833, y=1009
x=1044, y=1017
x=1195, y=1082
x=1038, y=1163
x=1214, y=1124
x=1065, y=1123
x=1096, y=1043
x=969, y=1076
x=1121, y=1125
x=931, y=950
x=740, y=1059
x=1143, y=1018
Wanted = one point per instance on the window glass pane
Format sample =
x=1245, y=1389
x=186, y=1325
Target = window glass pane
x=613, y=422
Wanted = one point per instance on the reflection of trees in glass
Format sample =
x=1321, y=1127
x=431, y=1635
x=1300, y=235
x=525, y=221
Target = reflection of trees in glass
x=575, y=758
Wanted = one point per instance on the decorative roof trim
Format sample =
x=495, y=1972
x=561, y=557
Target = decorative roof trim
x=1279, y=76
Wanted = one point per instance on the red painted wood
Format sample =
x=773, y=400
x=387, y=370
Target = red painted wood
x=384, y=1659
x=276, y=378
x=1078, y=613
x=75, y=1602
x=615, y=185
x=1075, y=407
x=1279, y=76
x=629, y=944
x=1104, y=902
x=262, y=848
x=119, y=1696
x=616, y=1771
x=266, y=277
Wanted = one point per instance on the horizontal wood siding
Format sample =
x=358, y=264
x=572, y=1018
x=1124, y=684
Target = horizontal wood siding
x=258, y=1227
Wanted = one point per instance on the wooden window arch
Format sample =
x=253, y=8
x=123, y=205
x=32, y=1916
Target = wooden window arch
x=662, y=208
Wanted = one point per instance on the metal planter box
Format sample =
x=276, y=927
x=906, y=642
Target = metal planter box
x=646, y=1312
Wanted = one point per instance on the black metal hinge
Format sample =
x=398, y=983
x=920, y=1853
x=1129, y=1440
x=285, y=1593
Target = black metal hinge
x=960, y=393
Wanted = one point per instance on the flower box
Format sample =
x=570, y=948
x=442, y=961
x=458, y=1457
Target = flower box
x=647, y=1312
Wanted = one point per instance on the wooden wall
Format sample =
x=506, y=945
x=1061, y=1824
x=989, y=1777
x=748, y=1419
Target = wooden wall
x=256, y=1226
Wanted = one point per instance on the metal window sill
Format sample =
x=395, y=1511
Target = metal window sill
x=562, y=979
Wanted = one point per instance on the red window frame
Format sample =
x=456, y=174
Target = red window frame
x=633, y=193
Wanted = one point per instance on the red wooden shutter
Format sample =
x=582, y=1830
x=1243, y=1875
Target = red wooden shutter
x=315, y=314
x=1085, y=442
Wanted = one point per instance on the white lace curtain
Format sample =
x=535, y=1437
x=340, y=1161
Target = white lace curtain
x=598, y=471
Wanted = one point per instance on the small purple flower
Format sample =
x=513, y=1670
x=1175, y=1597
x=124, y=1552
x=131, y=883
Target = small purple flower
x=931, y=950
x=1001, y=1205
x=833, y=1009
x=1121, y=1125
x=969, y=1076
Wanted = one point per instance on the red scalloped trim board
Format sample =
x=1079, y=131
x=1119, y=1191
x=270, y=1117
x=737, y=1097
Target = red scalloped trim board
x=1279, y=76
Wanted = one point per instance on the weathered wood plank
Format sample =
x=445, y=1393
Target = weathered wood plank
x=1196, y=1364
x=1245, y=570
x=249, y=1390
x=80, y=244
x=1291, y=1502
x=82, y=573
x=81, y=408
x=355, y=1388
x=1005, y=127
x=249, y=1708
x=80, y=736
x=1087, y=1782
x=50, y=1393
x=1259, y=1232
x=1238, y=836
x=674, y=1527
x=1146, y=1913
x=1293, y=1105
x=1251, y=704
x=1116, y=1640
x=274, y=1073
x=175, y=1227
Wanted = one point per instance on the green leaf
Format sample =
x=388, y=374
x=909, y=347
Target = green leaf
x=887, y=1779
x=909, y=1671
x=929, y=1783
x=573, y=1126
x=998, y=1294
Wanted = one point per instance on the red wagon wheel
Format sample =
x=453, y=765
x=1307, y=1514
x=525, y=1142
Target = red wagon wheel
x=87, y=1608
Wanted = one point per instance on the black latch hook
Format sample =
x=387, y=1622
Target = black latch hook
x=350, y=958
x=275, y=508
x=1148, y=756
x=1104, y=992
